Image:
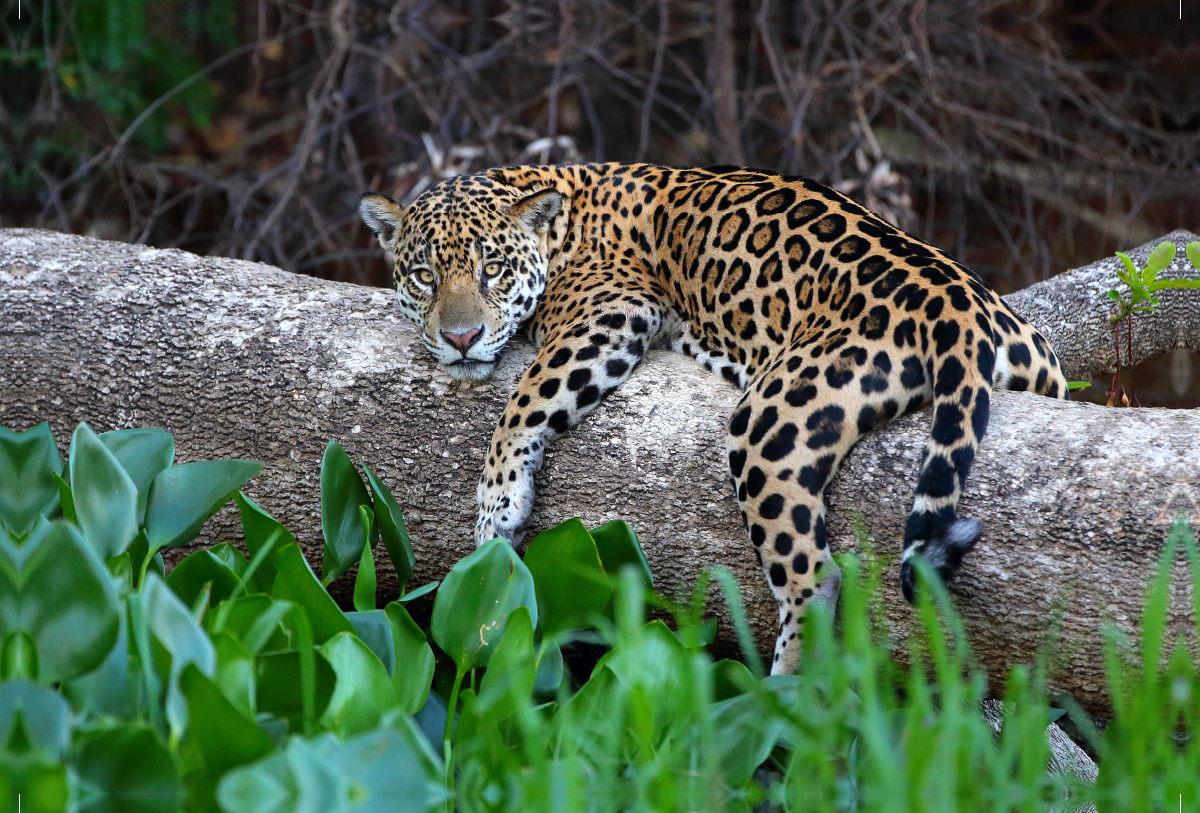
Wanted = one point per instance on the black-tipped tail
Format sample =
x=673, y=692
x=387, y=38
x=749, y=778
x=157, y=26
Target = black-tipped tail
x=943, y=552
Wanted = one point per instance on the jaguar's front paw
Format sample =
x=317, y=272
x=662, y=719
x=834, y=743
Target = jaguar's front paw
x=504, y=504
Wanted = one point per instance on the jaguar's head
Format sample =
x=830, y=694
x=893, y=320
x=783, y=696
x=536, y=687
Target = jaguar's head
x=469, y=263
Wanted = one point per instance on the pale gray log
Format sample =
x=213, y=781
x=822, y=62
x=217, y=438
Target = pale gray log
x=1066, y=758
x=240, y=359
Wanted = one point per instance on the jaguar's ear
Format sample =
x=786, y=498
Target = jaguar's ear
x=537, y=210
x=383, y=216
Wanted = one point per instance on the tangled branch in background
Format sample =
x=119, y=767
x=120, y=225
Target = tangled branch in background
x=1020, y=136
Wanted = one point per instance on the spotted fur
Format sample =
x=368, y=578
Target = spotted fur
x=830, y=320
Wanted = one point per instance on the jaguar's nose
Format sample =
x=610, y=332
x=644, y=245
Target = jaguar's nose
x=464, y=339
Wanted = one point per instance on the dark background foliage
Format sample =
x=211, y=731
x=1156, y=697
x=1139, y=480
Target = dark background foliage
x=1025, y=137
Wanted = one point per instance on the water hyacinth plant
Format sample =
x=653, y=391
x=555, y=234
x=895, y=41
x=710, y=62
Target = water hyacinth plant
x=237, y=684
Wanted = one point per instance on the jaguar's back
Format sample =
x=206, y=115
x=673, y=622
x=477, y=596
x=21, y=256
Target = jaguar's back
x=831, y=320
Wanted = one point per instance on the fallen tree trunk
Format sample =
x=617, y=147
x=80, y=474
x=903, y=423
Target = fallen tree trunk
x=244, y=360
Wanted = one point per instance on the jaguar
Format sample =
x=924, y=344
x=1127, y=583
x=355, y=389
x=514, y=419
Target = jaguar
x=827, y=318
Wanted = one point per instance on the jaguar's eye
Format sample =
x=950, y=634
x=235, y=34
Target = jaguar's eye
x=492, y=269
x=423, y=276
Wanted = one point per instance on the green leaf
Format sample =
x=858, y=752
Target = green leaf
x=224, y=736
x=570, y=582
x=44, y=712
x=508, y=682
x=1130, y=268
x=18, y=657
x=424, y=589
x=373, y=629
x=28, y=462
x=127, y=770
x=57, y=590
x=255, y=621
x=475, y=599
x=281, y=691
x=105, y=497
x=377, y=772
x=342, y=492
x=363, y=691
x=745, y=732
x=1159, y=258
x=364, y=582
x=412, y=675
x=171, y=623
x=549, y=671
x=199, y=569
x=111, y=689
x=618, y=546
x=730, y=679
x=652, y=662
x=257, y=527
x=391, y=527
x=66, y=501
x=1078, y=385
x=295, y=582
x=143, y=453
x=1193, y=253
x=1116, y=297
x=184, y=497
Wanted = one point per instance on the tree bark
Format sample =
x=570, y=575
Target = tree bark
x=243, y=360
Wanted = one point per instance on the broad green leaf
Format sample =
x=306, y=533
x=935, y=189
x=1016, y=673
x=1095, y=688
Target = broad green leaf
x=475, y=599
x=570, y=582
x=508, y=682
x=28, y=462
x=184, y=497
x=127, y=770
x=618, y=546
x=391, y=527
x=222, y=734
x=745, y=732
x=235, y=672
x=1130, y=269
x=46, y=715
x=280, y=687
x=105, y=497
x=57, y=590
x=112, y=689
x=376, y=772
x=375, y=630
x=412, y=674
x=364, y=582
x=549, y=671
x=653, y=660
x=342, y=492
x=1116, y=297
x=295, y=582
x=1159, y=258
x=171, y=622
x=18, y=657
x=730, y=679
x=363, y=691
x=257, y=528
x=199, y=569
x=255, y=621
x=1193, y=253
x=143, y=453
x=233, y=558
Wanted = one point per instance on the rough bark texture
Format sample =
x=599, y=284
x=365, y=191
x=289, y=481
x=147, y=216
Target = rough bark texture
x=244, y=360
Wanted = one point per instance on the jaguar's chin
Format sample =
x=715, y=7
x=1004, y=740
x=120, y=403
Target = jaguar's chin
x=470, y=369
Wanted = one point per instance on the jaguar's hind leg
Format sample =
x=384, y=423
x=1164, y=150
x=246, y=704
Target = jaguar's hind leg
x=785, y=440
